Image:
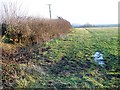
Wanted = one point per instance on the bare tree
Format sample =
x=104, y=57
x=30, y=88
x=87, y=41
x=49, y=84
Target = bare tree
x=10, y=11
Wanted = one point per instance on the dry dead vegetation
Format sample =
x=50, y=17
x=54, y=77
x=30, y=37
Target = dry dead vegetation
x=39, y=30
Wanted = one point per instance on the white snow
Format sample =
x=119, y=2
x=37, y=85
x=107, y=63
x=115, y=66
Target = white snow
x=98, y=57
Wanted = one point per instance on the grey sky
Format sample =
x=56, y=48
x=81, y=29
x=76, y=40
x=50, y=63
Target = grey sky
x=75, y=11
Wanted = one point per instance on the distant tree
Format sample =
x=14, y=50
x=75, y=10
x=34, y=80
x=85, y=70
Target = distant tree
x=88, y=25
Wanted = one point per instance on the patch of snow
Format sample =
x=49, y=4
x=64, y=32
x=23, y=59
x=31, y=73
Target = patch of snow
x=98, y=57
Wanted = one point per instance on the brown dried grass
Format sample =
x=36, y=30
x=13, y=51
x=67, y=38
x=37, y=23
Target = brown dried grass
x=39, y=30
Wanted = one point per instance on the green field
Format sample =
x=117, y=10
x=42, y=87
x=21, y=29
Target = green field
x=68, y=61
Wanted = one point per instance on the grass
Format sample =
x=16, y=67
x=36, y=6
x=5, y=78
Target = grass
x=68, y=62
x=71, y=62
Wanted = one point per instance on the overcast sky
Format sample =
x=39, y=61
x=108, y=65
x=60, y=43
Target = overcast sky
x=75, y=11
